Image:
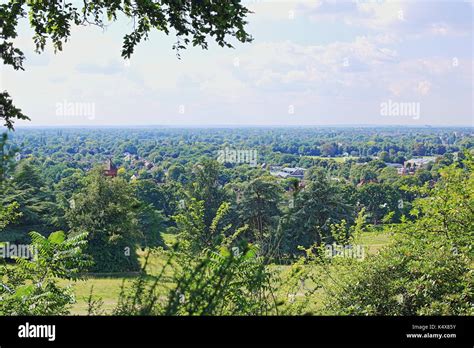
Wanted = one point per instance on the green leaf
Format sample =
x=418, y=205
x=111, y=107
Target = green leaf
x=24, y=290
x=224, y=251
x=57, y=237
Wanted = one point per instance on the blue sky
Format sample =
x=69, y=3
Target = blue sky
x=311, y=63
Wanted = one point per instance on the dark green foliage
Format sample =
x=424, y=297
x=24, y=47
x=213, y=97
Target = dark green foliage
x=108, y=210
x=162, y=197
x=207, y=186
x=152, y=224
x=35, y=201
x=223, y=283
x=224, y=277
x=312, y=212
x=259, y=206
x=427, y=271
x=7, y=155
x=31, y=288
x=8, y=112
x=416, y=276
x=230, y=220
x=379, y=200
x=8, y=214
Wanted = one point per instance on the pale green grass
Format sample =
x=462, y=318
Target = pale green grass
x=337, y=159
x=374, y=240
x=108, y=288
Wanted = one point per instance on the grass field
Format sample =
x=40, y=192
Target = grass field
x=337, y=159
x=108, y=288
x=374, y=240
x=105, y=288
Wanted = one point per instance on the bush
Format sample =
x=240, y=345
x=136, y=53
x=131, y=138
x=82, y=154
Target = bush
x=414, y=276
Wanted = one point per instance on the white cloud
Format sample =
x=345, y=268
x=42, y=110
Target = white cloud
x=272, y=65
x=331, y=74
x=423, y=87
x=401, y=18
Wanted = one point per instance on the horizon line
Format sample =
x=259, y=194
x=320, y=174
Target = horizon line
x=26, y=126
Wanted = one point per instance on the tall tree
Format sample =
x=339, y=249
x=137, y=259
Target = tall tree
x=313, y=211
x=34, y=200
x=259, y=204
x=108, y=210
x=379, y=200
x=206, y=186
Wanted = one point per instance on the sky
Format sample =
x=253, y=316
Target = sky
x=365, y=62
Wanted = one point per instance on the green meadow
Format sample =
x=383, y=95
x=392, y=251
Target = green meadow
x=107, y=288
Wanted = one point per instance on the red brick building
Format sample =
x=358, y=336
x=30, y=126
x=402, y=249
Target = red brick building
x=110, y=169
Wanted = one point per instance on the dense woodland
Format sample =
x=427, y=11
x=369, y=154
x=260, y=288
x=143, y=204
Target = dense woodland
x=190, y=234
x=234, y=224
x=55, y=177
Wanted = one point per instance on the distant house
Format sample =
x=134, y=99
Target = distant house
x=412, y=165
x=402, y=171
x=287, y=172
x=148, y=164
x=419, y=162
x=127, y=156
x=110, y=169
